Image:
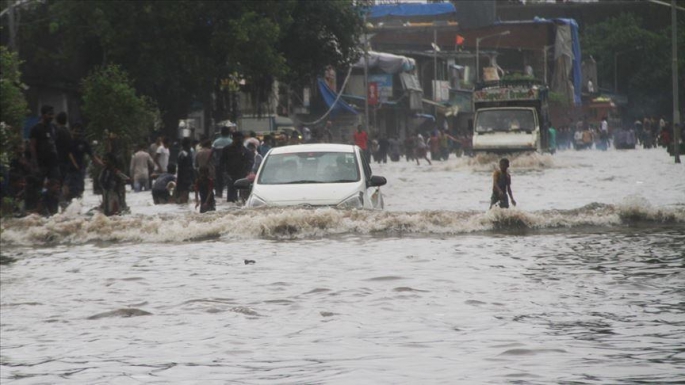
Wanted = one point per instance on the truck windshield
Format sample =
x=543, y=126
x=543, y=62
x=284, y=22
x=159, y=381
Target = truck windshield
x=505, y=121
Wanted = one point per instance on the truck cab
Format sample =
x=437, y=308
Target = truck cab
x=510, y=118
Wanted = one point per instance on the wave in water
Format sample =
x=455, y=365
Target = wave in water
x=487, y=162
x=302, y=223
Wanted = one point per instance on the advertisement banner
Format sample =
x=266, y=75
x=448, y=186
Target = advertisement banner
x=384, y=86
x=441, y=91
x=373, y=94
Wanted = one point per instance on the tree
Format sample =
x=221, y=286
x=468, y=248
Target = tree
x=112, y=107
x=13, y=107
x=322, y=33
x=176, y=52
x=643, y=67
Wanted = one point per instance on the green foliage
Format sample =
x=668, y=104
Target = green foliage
x=518, y=76
x=13, y=107
x=322, y=33
x=177, y=51
x=558, y=98
x=640, y=58
x=111, y=106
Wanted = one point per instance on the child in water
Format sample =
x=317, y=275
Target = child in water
x=501, y=186
x=204, y=190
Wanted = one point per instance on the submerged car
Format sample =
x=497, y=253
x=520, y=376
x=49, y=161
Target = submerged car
x=336, y=175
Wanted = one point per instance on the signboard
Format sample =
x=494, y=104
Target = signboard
x=504, y=94
x=384, y=86
x=373, y=94
x=441, y=90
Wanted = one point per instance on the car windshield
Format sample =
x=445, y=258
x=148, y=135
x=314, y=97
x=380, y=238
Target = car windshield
x=309, y=167
x=505, y=120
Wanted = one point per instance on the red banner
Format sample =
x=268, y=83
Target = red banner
x=373, y=94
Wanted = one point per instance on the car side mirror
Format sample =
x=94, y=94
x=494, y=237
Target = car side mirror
x=242, y=184
x=376, y=181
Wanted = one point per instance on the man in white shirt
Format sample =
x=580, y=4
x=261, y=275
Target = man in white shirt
x=604, y=134
x=605, y=125
x=162, y=156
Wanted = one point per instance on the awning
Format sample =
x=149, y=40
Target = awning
x=410, y=82
x=330, y=98
x=411, y=9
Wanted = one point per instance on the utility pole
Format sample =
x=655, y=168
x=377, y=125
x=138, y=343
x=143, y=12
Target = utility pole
x=366, y=77
x=544, y=55
x=674, y=74
x=435, y=72
x=674, y=58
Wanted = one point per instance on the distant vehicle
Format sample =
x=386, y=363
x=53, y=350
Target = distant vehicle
x=264, y=123
x=510, y=117
x=335, y=175
x=281, y=136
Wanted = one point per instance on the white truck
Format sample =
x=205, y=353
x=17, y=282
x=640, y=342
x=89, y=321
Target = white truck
x=510, y=118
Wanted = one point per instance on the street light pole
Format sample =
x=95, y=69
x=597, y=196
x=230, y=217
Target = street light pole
x=674, y=58
x=366, y=77
x=435, y=72
x=616, y=71
x=478, y=40
x=544, y=52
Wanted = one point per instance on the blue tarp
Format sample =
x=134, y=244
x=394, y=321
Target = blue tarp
x=329, y=97
x=411, y=10
x=575, y=46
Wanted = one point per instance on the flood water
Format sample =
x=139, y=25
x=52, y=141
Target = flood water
x=582, y=283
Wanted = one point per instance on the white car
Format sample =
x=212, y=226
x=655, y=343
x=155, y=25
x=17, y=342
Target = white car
x=334, y=175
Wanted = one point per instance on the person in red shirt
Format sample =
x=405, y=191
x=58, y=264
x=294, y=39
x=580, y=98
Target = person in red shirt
x=361, y=140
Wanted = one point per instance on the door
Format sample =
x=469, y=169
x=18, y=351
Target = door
x=372, y=196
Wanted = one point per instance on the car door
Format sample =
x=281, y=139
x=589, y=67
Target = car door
x=373, y=198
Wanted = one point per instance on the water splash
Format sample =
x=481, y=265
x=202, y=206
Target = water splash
x=521, y=161
x=299, y=223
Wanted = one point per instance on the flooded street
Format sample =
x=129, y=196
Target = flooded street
x=582, y=283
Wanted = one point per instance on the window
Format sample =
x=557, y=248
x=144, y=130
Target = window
x=310, y=167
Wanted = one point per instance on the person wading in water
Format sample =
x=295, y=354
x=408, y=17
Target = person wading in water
x=501, y=186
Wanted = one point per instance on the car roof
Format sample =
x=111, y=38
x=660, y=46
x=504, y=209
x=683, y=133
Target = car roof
x=313, y=147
